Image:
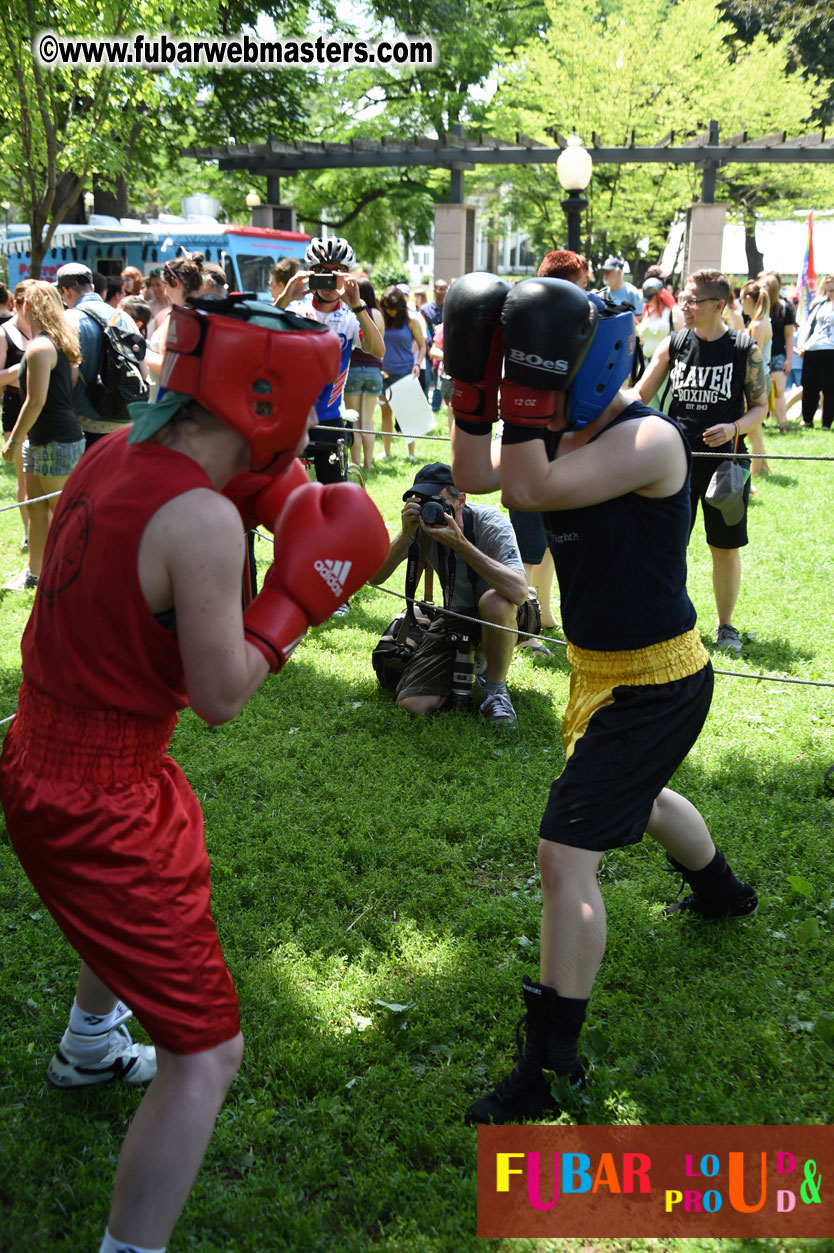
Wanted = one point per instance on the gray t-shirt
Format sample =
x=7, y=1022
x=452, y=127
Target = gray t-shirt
x=494, y=537
x=627, y=294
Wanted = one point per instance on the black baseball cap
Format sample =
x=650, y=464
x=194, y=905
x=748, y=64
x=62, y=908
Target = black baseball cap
x=431, y=480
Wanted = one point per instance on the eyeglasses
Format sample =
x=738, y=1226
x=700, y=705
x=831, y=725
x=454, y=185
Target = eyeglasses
x=686, y=301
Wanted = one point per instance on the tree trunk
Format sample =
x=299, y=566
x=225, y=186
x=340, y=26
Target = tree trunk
x=112, y=197
x=755, y=260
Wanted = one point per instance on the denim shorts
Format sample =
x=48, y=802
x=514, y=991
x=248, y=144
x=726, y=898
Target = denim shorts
x=364, y=380
x=52, y=460
x=777, y=362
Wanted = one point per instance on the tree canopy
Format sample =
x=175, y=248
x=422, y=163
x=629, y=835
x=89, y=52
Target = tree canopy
x=621, y=68
x=604, y=79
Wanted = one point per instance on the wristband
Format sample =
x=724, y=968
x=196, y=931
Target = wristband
x=522, y=434
x=473, y=428
x=360, y=308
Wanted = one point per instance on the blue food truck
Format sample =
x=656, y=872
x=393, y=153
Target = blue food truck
x=108, y=244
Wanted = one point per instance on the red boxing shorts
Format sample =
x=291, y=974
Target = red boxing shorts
x=111, y=836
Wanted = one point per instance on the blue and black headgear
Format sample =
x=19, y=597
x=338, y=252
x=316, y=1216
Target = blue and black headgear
x=606, y=365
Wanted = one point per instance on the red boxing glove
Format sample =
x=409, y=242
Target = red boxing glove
x=473, y=349
x=329, y=540
x=259, y=498
x=526, y=406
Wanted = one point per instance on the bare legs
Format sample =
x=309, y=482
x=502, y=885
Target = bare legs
x=40, y=515
x=573, y=929
x=726, y=581
x=387, y=426
x=780, y=406
x=498, y=645
x=362, y=451
x=167, y=1140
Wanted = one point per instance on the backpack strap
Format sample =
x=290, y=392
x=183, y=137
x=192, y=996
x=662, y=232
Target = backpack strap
x=412, y=577
x=676, y=342
x=101, y=323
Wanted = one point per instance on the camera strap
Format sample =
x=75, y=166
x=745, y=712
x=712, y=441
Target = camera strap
x=412, y=574
x=448, y=564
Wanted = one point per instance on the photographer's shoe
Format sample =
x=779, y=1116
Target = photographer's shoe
x=498, y=708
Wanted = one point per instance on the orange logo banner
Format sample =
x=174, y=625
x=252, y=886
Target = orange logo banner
x=550, y=1181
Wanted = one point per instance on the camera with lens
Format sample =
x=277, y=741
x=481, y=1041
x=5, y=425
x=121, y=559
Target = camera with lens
x=432, y=509
x=463, y=668
x=322, y=282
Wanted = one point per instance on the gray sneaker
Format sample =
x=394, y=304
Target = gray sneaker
x=728, y=637
x=498, y=710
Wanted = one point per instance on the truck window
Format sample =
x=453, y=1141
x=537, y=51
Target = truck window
x=254, y=272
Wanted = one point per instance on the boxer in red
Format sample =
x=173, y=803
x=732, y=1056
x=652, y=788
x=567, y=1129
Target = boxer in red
x=138, y=614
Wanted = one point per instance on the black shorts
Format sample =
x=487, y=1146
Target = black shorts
x=718, y=533
x=623, y=744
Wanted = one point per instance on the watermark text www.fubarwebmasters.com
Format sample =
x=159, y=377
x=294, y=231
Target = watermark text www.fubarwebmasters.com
x=160, y=50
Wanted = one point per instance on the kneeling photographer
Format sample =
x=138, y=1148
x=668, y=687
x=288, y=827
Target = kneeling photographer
x=473, y=550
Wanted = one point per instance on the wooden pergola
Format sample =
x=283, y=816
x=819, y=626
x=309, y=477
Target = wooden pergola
x=278, y=159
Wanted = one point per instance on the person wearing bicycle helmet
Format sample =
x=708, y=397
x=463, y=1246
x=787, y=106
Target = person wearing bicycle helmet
x=327, y=293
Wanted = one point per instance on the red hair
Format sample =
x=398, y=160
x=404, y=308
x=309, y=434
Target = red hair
x=562, y=263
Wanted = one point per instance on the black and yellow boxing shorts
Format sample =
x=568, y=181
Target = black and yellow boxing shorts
x=632, y=717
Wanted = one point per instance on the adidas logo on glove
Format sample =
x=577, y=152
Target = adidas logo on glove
x=334, y=574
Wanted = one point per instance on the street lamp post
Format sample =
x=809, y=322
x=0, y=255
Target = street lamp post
x=574, y=169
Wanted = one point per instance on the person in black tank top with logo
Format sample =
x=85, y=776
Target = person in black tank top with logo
x=15, y=334
x=611, y=478
x=717, y=384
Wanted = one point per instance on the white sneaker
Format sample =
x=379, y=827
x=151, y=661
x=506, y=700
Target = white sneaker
x=71, y=1067
x=23, y=582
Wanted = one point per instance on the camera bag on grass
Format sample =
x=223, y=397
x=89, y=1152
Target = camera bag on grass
x=401, y=638
x=399, y=644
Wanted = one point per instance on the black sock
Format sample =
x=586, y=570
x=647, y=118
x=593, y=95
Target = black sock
x=714, y=879
x=563, y=1035
x=553, y=1026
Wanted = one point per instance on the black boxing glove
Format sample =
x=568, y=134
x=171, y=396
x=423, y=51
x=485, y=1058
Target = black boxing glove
x=548, y=326
x=472, y=348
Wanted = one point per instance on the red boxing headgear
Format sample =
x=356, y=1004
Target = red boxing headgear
x=255, y=367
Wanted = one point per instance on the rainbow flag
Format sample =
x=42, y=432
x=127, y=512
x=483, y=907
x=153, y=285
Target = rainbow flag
x=806, y=287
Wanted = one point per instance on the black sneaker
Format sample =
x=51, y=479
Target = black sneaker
x=523, y=1094
x=730, y=906
x=736, y=902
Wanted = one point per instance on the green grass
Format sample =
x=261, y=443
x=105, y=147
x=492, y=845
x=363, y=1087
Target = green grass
x=363, y=861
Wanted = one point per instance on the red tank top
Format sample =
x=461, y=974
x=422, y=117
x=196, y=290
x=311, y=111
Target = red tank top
x=91, y=640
